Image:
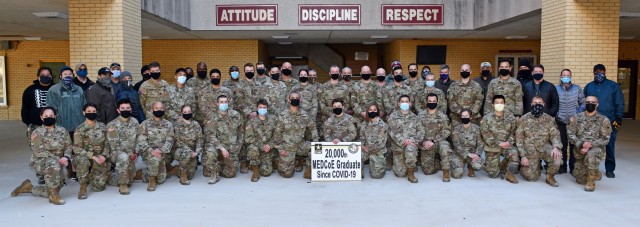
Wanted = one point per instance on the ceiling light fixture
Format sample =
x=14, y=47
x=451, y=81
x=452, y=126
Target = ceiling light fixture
x=369, y=43
x=516, y=37
x=280, y=36
x=379, y=36
x=60, y=15
x=285, y=43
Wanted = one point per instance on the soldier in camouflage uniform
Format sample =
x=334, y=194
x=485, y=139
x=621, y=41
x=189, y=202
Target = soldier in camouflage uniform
x=329, y=91
x=538, y=138
x=258, y=134
x=373, y=136
x=465, y=94
x=590, y=131
x=467, y=146
x=201, y=81
x=346, y=73
x=364, y=94
x=153, y=90
x=90, y=152
x=121, y=140
x=415, y=82
x=224, y=135
x=498, y=136
x=436, y=131
x=155, y=140
x=420, y=101
x=508, y=87
x=394, y=91
x=308, y=92
x=52, y=148
x=241, y=94
x=276, y=92
x=405, y=132
x=287, y=78
x=188, y=144
x=340, y=127
x=180, y=95
x=293, y=135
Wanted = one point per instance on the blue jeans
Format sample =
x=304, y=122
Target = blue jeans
x=610, y=161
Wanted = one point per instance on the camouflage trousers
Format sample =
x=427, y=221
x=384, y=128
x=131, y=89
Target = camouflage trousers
x=458, y=163
x=216, y=163
x=404, y=158
x=90, y=172
x=287, y=163
x=377, y=162
x=587, y=163
x=533, y=172
x=125, y=168
x=156, y=166
x=492, y=162
x=428, y=157
x=320, y=119
x=187, y=162
x=257, y=157
x=51, y=169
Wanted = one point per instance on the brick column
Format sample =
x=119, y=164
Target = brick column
x=578, y=34
x=106, y=31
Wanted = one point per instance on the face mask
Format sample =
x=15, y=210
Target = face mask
x=125, y=113
x=365, y=76
x=432, y=106
x=215, y=81
x=381, y=78
x=189, y=76
x=82, y=73
x=524, y=73
x=424, y=74
x=91, y=116
x=275, y=76
x=262, y=112
x=67, y=81
x=444, y=76
x=404, y=106
x=261, y=71
x=146, y=76
x=598, y=77
x=372, y=115
x=249, y=75
x=591, y=107
x=304, y=79
x=286, y=72
x=465, y=75
x=504, y=72
x=537, y=76
x=115, y=73
x=45, y=79
x=49, y=121
x=295, y=102
x=104, y=80
x=565, y=80
x=223, y=106
x=155, y=76
x=335, y=76
x=128, y=83
x=312, y=80
x=398, y=78
x=202, y=74
x=337, y=111
x=486, y=73
x=346, y=77
x=235, y=75
x=536, y=110
x=465, y=120
x=413, y=73
x=187, y=116
x=498, y=107
x=182, y=79
x=430, y=83
x=158, y=113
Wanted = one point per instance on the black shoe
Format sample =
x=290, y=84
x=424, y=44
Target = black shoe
x=74, y=177
x=611, y=175
x=562, y=170
x=40, y=180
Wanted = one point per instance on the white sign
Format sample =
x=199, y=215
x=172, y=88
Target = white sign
x=336, y=162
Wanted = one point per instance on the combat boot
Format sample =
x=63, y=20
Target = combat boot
x=172, y=171
x=551, y=180
x=410, y=175
x=138, y=175
x=244, y=169
x=472, y=172
x=215, y=177
x=599, y=175
x=511, y=178
x=299, y=164
x=25, y=187
x=124, y=189
x=445, y=175
x=184, y=180
x=152, y=184
x=82, y=194
x=591, y=183
x=256, y=173
x=54, y=196
x=389, y=159
x=307, y=172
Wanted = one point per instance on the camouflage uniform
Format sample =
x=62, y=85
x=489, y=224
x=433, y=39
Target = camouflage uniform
x=90, y=141
x=188, y=139
x=327, y=92
x=495, y=130
x=121, y=139
x=197, y=84
x=48, y=147
x=342, y=128
x=292, y=82
x=401, y=127
x=180, y=97
x=536, y=138
x=373, y=135
x=291, y=136
x=465, y=96
x=208, y=98
x=276, y=96
x=257, y=134
x=309, y=97
x=391, y=95
x=511, y=89
x=465, y=141
x=150, y=93
x=436, y=129
x=596, y=130
x=415, y=86
x=223, y=130
x=244, y=105
x=419, y=101
x=362, y=96
x=152, y=135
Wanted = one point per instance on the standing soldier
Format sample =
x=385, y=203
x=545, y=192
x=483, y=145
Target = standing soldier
x=262, y=82
x=188, y=145
x=538, y=138
x=509, y=88
x=405, y=132
x=276, y=92
x=419, y=101
x=90, y=153
x=224, y=135
x=51, y=147
x=395, y=90
x=364, y=94
x=308, y=92
x=590, y=131
x=498, y=136
x=415, y=82
x=155, y=140
x=234, y=81
x=258, y=137
x=287, y=78
x=436, y=131
x=329, y=91
x=373, y=136
x=180, y=95
x=381, y=86
x=121, y=139
x=467, y=147
x=154, y=90
x=207, y=98
x=465, y=94
x=201, y=80
x=346, y=73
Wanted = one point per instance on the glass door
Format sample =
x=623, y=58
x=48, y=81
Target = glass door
x=628, y=81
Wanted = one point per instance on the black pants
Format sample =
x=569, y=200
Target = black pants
x=567, y=149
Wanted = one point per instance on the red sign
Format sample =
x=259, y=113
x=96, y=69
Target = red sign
x=231, y=15
x=329, y=14
x=427, y=14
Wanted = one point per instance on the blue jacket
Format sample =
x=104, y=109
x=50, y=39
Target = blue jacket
x=610, y=98
x=134, y=98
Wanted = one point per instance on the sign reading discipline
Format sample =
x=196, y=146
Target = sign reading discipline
x=427, y=14
x=233, y=15
x=336, y=162
x=329, y=14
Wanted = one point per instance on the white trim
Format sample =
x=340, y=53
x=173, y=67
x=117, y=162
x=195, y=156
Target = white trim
x=3, y=80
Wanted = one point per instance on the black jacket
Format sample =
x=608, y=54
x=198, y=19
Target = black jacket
x=34, y=99
x=548, y=93
x=85, y=85
x=100, y=94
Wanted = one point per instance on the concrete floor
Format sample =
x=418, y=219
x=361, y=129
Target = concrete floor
x=275, y=201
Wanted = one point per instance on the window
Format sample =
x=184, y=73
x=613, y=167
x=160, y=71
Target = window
x=514, y=59
x=3, y=81
x=431, y=55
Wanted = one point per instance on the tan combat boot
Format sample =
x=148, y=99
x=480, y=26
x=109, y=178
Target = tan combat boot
x=25, y=187
x=307, y=172
x=215, y=177
x=54, y=196
x=184, y=180
x=511, y=178
x=599, y=176
x=591, y=183
x=445, y=175
x=172, y=171
x=472, y=172
x=244, y=167
x=124, y=189
x=256, y=173
x=410, y=175
x=551, y=180
x=299, y=164
x=138, y=175
x=152, y=184
x=82, y=194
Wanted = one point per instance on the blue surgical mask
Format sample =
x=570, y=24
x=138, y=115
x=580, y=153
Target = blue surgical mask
x=599, y=77
x=262, y=112
x=565, y=80
x=235, y=75
x=404, y=106
x=182, y=79
x=115, y=73
x=82, y=73
x=430, y=83
x=223, y=106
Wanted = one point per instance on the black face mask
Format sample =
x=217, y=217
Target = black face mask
x=187, y=116
x=504, y=72
x=155, y=76
x=465, y=120
x=146, y=76
x=536, y=110
x=465, y=75
x=261, y=71
x=295, y=102
x=249, y=75
x=158, y=113
x=486, y=73
x=381, y=78
x=365, y=76
x=372, y=115
x=335, y=76
x=49, y=121
x=432, y=105
x=398, y=78
x=46, y=79
x=413, y=73
x=125, y=113
x=337, y=111
x=346, y=77
x=202, y=74
x=91, y=116
x=304, y=79
x=215, y=81
x=286, y=72
x=524, y=74
x=189, y=76
x=591, y=107
x=537, y=76
x=275, y=76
